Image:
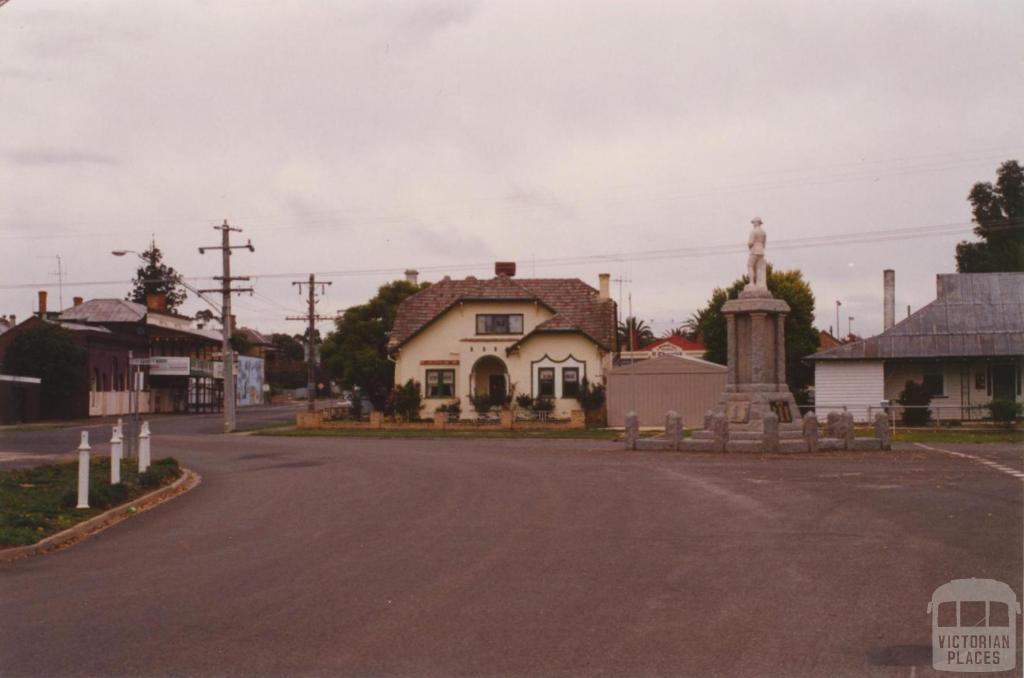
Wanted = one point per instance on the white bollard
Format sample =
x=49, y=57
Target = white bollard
x=120, y=426
x=83, y=471
x=144, y=447
x=116, y=452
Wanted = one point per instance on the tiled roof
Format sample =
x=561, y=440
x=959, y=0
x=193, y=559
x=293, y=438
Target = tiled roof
x=253, y=337
x=105, y=311
x=676, y=340
x=576, y=305
x=974, y=315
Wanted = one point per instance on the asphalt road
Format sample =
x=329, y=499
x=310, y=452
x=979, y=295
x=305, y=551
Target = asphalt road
x=327, y=557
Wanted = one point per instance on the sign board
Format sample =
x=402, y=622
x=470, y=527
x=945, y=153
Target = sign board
x=169, y=366
x=737, y=411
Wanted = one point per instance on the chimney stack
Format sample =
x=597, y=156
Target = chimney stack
x=412, y=276
x=889, y=299
x=42, y=304
x=14, y=320
x=156, y=302
x=505, y=268
x=604, y=285
x=78, y=301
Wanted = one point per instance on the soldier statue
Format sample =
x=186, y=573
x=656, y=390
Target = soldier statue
x=757, y=270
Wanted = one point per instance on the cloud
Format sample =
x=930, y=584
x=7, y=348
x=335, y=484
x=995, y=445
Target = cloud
x=38, y=156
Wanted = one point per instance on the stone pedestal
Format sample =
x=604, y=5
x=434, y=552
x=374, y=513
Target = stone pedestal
x=756, y=388
x=756, y=379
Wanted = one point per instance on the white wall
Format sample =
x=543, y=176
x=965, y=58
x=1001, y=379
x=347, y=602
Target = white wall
x=855, y=384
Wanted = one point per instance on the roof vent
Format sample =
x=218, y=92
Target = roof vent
x=505, y=268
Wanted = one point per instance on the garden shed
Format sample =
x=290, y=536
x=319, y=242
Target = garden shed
x=687, y=385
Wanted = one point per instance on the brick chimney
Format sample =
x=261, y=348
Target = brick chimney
x=77, y=301
x=505, y=268
x=42, y=304
x=156, y=302
x=412, y=276
x=604, y=285
x=889, y=298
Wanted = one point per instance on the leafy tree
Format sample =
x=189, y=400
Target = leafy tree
x=156, y=276
x=288, y=346
x=356, y=352
x=49, y=352
x=638, y=330
x=801, y=335
x=240, y=343
x=998, y=213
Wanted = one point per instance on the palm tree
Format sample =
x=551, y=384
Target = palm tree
x=634, y=334
x=692, y=327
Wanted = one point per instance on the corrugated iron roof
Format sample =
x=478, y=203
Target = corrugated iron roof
x=974, y=315
x=105, y=311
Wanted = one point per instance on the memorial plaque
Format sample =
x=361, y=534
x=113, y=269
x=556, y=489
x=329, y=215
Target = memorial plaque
x=781, y=410
x=737, y=411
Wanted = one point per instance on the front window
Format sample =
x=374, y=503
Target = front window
x=505, y=323
x=932, y=379
x=570, y=382
x=546, y=377
x=440, y=383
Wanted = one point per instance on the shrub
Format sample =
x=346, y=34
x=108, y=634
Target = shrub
x=590, y=398
x=543, y=404
x=455, y=407
x=160, y=472
x=524, y=401
x=406, y=401
x=916, y=397
x=1004, y=411
x=481, y=402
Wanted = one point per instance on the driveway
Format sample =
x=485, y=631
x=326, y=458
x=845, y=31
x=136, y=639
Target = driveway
x=319, y=556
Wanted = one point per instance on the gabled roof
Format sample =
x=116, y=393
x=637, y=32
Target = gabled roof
x=974, y=315
x=253, y=337
x=577, y=306
x=105, y=311
x=676, y=340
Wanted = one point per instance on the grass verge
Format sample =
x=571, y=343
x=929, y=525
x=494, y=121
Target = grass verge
x=584, y=433
x=37, y=502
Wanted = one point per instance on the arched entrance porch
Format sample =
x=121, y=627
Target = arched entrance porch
x=489, y=377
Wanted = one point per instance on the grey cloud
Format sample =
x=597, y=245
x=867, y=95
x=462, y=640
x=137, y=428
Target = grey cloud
x=54, y=156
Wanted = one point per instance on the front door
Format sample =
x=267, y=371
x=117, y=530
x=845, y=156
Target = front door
x=1004, y=381
x=496, y=384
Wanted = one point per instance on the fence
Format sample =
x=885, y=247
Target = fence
x=937, y=414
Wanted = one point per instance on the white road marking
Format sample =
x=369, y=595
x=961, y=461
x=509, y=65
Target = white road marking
x=981, y=460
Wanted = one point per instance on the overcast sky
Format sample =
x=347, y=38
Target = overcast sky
x=346, y=136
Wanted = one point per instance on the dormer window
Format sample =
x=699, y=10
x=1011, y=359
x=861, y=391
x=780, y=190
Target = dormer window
x=504, y=323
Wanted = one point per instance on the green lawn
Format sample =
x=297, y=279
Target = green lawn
x=585, y=433
x=950, y=435
x=40, y=501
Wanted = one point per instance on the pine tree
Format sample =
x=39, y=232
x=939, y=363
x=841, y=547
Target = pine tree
x=156, y=277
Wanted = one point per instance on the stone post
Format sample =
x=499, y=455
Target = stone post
x=508, y=419
x=144, y=447
x=811, y=431
x=771, y=432
x=709, y=417
x=116, y=452
x=882, y=430
x=847, y=430
x=632, y=430
x=780, y=349
x=376, y=419
x=83, y=471
x=757, y=356
x=674, y=429
x=440, y=420
x=833, y=424
x=577, y=419
x=730, y=344
x=720, y=432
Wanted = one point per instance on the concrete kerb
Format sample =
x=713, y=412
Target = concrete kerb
x=188, y=480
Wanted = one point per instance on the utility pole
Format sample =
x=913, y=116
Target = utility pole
x=225, y=318
x=311, y=317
